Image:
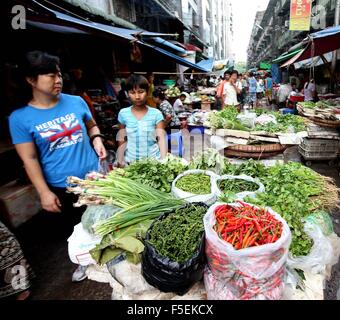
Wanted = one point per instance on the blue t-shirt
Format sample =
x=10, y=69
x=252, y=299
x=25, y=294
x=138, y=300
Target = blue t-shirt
x=60, y=136
x=141, y=134
x=252, y=85
x=269, y=83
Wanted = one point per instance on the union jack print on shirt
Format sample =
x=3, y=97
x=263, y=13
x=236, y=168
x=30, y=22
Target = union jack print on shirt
x=63, y=135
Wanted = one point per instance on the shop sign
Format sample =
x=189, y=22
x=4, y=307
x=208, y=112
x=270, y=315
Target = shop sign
x=300, y=15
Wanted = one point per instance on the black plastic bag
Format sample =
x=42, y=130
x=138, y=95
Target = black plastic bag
x=171, y=276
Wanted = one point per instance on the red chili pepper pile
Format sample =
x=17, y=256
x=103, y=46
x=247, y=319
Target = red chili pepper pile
x=246, y=226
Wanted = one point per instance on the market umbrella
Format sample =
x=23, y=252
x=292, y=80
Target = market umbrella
x=320, y=42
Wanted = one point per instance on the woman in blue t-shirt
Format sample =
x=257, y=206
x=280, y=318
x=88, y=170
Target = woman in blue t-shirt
x=141, y=133
x=52, y=134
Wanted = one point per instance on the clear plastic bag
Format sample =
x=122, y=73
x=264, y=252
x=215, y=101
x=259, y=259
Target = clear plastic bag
x=320, y=255
x=96, y=213
x=250, y=273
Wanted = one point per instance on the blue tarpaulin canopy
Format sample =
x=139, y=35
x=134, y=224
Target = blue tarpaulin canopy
x=70, y=23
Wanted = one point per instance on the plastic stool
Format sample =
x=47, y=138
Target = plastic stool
x=177, y=136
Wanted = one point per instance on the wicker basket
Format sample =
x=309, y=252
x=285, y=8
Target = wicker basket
x=273, y=147
x=318, y=121
x=250, y=155
x=326, y=123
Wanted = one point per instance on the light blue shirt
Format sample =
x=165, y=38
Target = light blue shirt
x=141, y=134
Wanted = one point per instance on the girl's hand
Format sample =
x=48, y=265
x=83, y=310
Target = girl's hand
x=50, y=202
x=99, y=148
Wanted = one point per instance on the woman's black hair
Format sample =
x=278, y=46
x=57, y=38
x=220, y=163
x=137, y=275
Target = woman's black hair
x=39, y=62
x=159, y=94
x=33, y=64
x=137, y=81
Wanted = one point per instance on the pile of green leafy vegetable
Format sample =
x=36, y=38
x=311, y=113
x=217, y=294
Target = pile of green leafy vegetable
x=196, y=183
x=237, y=185
x=251, y=168
x=226, y=119
x=158, y=175
x=295, y=191
x=179, y=235
x=285, y=122
x=211, y=160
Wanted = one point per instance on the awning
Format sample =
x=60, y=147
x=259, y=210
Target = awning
x=191, y=47
x=314, y=62
x=169, y=45
x=207, y=64
x=320, y=42
x=292, y=60
x=65, y=20
x=180, y=60
x=286, y=56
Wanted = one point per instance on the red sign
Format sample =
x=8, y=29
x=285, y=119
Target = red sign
x=300, y=15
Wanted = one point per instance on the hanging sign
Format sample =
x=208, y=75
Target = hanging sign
x=300, y=15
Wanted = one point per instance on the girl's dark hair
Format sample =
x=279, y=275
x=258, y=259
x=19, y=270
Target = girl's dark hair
x=38, y=62
x=137, y=81
x=159, y=94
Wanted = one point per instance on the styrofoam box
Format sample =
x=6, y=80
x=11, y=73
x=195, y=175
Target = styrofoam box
x=18, y=203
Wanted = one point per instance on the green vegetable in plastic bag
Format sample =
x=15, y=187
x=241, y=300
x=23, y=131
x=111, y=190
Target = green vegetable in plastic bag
x=323, y=220
x=94, y=214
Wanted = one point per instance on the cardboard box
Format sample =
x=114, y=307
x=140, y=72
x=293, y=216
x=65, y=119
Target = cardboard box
x=18, y=203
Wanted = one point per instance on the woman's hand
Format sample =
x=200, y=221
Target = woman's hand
x=99, y=148
x=50, y=202
x=121, y=164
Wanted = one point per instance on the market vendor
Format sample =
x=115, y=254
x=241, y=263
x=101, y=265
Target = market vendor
x=171, y=119
x=231, y=90
x=178, y=105
x=52, y=133
x=141, y=133
x=150, y=77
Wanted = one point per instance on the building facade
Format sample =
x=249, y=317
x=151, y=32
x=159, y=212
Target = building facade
x=271, y=36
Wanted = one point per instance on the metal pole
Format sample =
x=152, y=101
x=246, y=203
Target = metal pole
x=336, y=23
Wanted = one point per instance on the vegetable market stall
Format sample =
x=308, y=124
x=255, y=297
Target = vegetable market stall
x=298, y=194
x=259, y=134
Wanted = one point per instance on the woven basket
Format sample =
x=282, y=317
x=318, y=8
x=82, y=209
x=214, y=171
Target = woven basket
x=318, y=121
x=273, y=147
x=250, y=155
x=326, y=123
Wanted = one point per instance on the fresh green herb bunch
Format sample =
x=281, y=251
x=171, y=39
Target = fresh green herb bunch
x=250, y=168
x=155, y=174
x=284, y=123
x=179, y=235
x=212, y=160
x=237, y=185
x=226, y=119
x=195, y=183
x=290, y=191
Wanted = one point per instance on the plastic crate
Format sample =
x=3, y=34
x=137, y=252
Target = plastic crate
x=320, y=145
x=315, y=155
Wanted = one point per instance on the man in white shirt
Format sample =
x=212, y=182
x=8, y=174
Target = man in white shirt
x=231, y=90
x=309, y=90
x=283, y=93
x=178, y=105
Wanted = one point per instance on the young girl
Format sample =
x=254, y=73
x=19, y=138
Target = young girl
x=142, y=131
